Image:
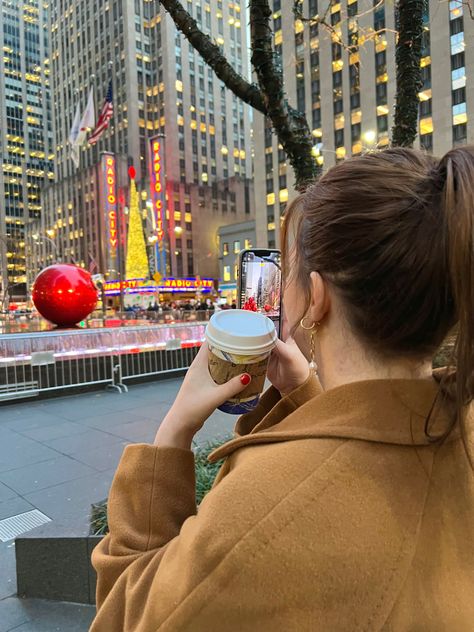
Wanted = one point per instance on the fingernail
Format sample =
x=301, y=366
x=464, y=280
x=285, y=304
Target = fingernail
x=245, y=379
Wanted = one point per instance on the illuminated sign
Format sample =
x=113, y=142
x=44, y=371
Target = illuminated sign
x=187, y=283
x=166, y=285
x=157, y=185
x=110, y=198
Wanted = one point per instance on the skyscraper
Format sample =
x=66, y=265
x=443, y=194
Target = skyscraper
x=344, y=80
x=25, y=132
x=162, y=90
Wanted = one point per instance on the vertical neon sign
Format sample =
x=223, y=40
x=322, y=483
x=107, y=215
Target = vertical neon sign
x=157, y=186
x=110, y=197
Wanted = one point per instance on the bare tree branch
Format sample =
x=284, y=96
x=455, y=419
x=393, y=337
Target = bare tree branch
x=212, y=55
x=268, y=96
x=468, y=4
x=290, y=125
x=336, y=34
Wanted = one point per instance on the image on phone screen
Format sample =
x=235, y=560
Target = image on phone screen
x=260, y=285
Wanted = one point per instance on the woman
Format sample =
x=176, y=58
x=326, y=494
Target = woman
x=345, y=503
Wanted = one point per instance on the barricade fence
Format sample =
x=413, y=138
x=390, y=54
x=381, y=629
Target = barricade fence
x=34, y=364
x=21, y=322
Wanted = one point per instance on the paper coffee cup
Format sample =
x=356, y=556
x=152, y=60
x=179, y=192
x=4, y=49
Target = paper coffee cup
x=240, y=341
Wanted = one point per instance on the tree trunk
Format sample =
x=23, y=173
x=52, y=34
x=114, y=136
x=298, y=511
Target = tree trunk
x=407, y=59
x=290, y=125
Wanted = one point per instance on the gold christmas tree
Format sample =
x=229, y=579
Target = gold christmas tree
x=137, y=259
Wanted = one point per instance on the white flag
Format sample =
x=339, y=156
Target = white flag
x=79, y=130
x=73, y=134
x=88, y=118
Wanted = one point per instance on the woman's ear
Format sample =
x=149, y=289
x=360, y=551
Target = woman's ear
x=320, y=299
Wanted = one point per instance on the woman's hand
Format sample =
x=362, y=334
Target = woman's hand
x=288, y=368
x=197, y=399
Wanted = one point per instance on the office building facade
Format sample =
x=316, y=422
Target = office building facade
x=162, y=91
x=348, y=90
x=233, y=238
x=26, y=147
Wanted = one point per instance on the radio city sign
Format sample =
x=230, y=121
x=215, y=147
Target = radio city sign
x=110, y=195
x=156, y=182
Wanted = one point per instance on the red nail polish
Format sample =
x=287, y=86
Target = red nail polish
x=245, y=379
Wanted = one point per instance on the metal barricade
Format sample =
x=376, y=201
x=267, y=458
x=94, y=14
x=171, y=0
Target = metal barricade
x=34, y=363
x=157, y=350
x=54, y=360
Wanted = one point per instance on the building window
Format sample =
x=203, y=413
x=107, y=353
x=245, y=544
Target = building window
x=381, y=92
x=226, y=273
x=236, y=247
x=426, y=142
x=225, y=248
x=425, y=108
x=460, y=133
x=355, y=100
x=382, y=124
x=459, y=96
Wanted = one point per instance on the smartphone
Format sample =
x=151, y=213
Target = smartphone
x=260, y=283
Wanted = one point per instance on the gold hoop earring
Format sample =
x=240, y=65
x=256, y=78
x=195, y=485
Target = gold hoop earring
x=303, y=326
x=314, y=330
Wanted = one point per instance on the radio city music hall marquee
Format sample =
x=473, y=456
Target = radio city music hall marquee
x=167, y=285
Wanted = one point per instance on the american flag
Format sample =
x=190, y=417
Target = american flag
x=92, y=263
x=105, y=115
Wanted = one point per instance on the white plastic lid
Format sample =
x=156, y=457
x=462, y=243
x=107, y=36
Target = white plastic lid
x=242, y=332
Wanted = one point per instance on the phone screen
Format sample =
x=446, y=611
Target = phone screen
x=260, y=283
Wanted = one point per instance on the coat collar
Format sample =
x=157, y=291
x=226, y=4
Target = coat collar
x=381, y=411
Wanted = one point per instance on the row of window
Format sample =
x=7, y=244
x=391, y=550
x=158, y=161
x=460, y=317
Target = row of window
x=236, y=247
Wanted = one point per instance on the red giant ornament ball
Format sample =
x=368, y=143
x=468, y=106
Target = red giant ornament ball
x=64, y=294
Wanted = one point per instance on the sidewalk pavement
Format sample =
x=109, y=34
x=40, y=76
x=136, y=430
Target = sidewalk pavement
x=59, y=456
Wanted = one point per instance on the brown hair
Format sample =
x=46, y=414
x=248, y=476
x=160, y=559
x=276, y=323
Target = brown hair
x=393, y=233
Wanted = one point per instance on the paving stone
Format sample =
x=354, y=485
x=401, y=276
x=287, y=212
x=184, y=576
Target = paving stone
x=71, y=410
x=73, y=498
x=101, y=459
x=12, y=614
x=14, y=506
x=23, y=451
x=39, y=476
x=27, y=418
x=7, y=569
x=139, y=431
x=6, y=492
x=51, y=616
x=56, y=431
x=102, y=422
x=87, y=439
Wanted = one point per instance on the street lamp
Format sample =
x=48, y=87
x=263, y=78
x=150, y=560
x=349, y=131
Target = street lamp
x=370, y=136
x=38, y=239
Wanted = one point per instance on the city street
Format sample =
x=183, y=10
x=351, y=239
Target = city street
x=59, y=456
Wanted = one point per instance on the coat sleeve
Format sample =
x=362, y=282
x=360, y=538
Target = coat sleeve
x=162, y=565
x=152, y=494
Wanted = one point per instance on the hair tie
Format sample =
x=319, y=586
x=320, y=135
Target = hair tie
x=438, y=177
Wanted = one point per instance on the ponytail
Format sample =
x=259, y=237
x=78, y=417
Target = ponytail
x=457, y=168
